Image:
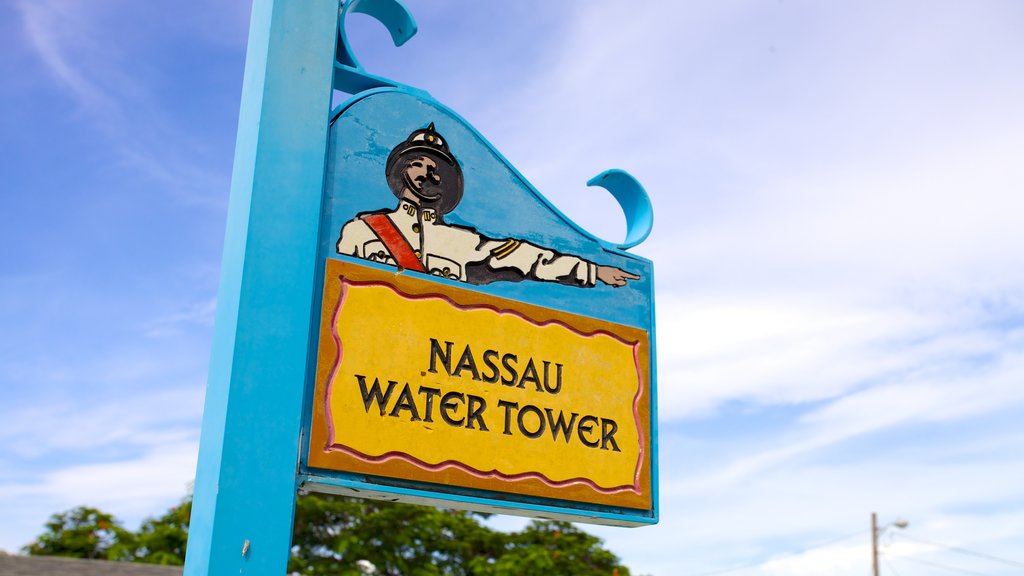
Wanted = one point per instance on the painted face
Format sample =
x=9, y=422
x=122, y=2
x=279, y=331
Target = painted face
x=422, y=179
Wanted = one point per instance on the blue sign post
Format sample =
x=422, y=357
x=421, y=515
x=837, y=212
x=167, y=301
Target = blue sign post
x=244, y=500
x=529, y=389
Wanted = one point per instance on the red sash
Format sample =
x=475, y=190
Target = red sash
x=393, y=240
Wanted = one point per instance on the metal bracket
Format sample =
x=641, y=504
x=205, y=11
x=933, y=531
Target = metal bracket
x=349, y=74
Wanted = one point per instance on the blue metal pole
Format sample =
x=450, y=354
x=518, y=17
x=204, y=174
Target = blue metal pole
x=244, y=501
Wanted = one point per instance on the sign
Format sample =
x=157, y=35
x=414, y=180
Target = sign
x=402, y=315
x=434, y=383
x=476, y=348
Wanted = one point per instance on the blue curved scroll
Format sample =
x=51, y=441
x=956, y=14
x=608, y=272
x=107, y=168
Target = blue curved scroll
x=635, y=203
x=350, y=75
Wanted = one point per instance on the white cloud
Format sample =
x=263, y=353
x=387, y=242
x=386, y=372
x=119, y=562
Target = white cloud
x=778, y=519
x=52, y=27
x=736, y=347
x=131, y=456
x=141, y=421
x=913, y=400
x=837, y=243
x=73, y=43
x=130, y=489
x=768, y=351
x=831, y=560
x=127, y=487
x=849, y=160
x=199, y=313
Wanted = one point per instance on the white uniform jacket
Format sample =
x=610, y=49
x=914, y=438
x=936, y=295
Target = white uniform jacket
x=461, y=253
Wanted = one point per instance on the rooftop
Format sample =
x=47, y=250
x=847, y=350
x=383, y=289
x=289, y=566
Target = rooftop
x=11, y=565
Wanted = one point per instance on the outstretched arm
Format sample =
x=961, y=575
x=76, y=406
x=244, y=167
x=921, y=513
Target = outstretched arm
x=613, y=276
x=502, y=258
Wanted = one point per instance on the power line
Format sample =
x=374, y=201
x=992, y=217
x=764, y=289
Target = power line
x=943, y=566
x=964, y=551
x=798, y=552
x=890, y=566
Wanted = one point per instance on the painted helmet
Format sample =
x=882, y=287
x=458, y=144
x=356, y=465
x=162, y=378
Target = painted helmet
x=443, y=197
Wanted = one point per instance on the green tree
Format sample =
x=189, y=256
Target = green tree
x=162, y=540
x=337, y=535
x=340, y=536
x=546, y=547
x=83, y=532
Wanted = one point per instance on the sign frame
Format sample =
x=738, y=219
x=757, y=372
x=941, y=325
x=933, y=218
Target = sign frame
x=469, y=498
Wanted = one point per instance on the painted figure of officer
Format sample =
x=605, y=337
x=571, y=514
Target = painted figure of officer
x=427, y=180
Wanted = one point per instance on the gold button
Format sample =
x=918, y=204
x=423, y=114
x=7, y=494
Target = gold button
x=417, y=253
x=380, y=254
x=447, y=270
x=415, y=227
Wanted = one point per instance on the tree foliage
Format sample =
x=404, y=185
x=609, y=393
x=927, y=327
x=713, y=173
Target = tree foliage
x=334, y=535
x=83, y=533
x=162, y=540
x=555, y=548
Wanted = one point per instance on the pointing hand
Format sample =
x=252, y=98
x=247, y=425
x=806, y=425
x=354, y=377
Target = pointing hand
x=613, y=276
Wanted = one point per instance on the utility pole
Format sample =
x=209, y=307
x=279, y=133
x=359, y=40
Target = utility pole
x=874, y=543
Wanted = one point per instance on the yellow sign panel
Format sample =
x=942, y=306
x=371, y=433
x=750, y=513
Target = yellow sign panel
x=427, y=382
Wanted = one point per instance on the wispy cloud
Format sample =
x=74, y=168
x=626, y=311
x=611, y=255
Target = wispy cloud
x=130, y=488
x=128, y=423
x=54, y=27
x=848, y=162
x=197, y=314
x=74, y=46
x=776, y=520
x=130, y=455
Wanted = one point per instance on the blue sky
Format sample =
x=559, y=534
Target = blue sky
x=839, y=247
